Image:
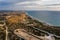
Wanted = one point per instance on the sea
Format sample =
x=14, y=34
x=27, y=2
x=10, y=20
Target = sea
x=50, y=17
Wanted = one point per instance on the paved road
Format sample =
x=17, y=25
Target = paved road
x=29, y=36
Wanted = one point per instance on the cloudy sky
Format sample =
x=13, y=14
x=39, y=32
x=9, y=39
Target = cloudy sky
x=28, y=4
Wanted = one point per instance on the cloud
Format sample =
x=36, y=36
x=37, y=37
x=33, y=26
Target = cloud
x=40, y=2
x=27, y=4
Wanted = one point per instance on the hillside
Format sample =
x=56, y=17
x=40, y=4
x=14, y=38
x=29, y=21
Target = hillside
x=20, y=20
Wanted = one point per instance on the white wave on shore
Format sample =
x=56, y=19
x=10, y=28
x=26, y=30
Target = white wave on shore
x=45, y=23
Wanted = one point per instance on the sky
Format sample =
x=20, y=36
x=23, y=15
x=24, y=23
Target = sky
x=28, y=4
